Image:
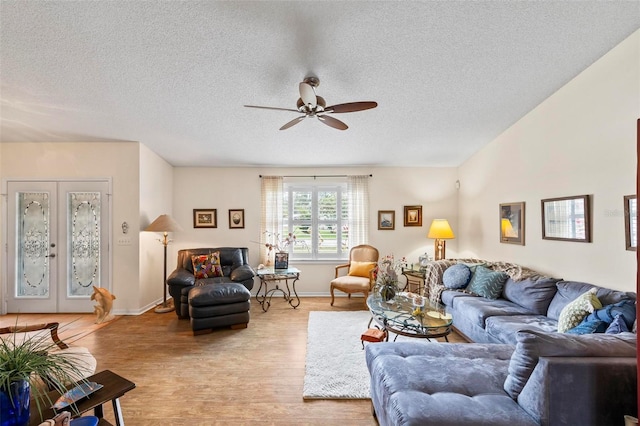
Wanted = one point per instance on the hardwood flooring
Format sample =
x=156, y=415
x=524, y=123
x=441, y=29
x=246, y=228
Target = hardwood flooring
x=229, y=377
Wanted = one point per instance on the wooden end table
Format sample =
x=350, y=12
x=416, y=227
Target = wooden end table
x=114, y=386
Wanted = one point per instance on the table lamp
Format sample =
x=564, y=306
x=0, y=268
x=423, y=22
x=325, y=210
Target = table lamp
x=165, y=224
x=441, y=231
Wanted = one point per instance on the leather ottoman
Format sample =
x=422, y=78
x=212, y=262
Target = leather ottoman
x=219, y=305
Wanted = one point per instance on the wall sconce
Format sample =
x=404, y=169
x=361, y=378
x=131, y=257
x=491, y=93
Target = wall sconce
x=441, y=231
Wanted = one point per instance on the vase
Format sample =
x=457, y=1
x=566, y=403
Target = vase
x=388, y=292
x=14, y=405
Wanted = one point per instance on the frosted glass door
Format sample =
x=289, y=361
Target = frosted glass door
x=60, y=243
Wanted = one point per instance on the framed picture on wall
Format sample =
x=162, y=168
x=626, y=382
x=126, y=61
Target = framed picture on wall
x=567, y=219
x=512, y=223
x=236, y=219
x=386, y=219
x=412, y=215
x=631, y=222
x=205, y=218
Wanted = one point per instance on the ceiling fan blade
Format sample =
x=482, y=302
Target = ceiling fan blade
x=276, y=108
x=293, y=122
x=308, y=95
x=351, y=107
x=332, y=122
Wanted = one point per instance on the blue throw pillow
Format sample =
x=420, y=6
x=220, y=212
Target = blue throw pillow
x=618, y=325
x=626, y=308
x=456, y=276
x=487, y=283
x=588, y=327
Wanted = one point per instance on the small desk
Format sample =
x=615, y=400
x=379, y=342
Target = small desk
x=415, y=281
x=268, y=275
x=114, y=387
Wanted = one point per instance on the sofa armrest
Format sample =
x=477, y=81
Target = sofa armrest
x=181, y=277
x=581, y=390
x=242, y=273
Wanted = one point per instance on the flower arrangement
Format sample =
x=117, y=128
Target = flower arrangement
x=275, y=243
x=387, y=276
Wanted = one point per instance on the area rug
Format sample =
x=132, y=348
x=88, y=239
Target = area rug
x=335, y=364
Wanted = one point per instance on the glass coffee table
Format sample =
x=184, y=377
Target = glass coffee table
x=398, y=316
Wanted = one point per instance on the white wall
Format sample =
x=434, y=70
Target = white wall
x=581, y=140
x=118, y=161
x=156, y=198
x=239, y=188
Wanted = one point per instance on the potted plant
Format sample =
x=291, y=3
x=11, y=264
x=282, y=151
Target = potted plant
x=31, y=366
x=387, y=277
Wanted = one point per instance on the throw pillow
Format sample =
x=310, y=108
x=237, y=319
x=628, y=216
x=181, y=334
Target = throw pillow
x=588, y=327
x=456, y=276
x=618, y=325
x=626, y=308
x=206, y=265
x=573, y=314
x=487, y=283
x=361, y=269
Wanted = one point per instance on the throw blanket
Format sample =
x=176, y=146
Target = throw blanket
x=434, y=271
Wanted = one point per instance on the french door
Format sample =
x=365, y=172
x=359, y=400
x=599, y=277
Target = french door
x=57, y=245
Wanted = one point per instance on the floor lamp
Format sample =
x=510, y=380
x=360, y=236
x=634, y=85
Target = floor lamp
x=165, y=224
x=441, y=231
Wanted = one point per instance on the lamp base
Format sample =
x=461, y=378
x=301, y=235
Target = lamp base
x=164, y=308
x=439, y=248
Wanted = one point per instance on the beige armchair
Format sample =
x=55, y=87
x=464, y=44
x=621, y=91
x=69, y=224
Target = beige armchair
x=359, y=278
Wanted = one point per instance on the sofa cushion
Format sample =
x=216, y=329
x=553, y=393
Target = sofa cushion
x=487, y=283
x=570, y=290
x=574, y=312
x=448, y=296
x=504, y=328
x=456, y=276
x=206, y=265
x=534, y=344
x=618, y=325
x=361, y=269
x=477, y=309
x=533, y=294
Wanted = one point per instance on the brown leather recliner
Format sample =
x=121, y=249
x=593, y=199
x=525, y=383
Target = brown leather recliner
x=235, y=269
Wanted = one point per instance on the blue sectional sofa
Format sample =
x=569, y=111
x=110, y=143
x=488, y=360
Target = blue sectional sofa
x=520, y=371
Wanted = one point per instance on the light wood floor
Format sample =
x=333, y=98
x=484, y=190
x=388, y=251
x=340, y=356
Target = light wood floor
x=229, y=377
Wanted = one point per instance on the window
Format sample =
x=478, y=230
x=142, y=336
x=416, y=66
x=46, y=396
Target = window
x=317, y=217
x=315, y=220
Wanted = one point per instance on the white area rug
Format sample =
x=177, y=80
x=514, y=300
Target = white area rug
x=335, y=364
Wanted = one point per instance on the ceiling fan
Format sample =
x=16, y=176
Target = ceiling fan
x=312, y=105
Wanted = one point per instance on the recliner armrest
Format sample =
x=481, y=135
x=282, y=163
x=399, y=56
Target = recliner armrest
x=181, y=277
x=242, y=273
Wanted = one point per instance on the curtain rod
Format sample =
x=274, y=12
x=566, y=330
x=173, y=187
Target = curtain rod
x=315, y=176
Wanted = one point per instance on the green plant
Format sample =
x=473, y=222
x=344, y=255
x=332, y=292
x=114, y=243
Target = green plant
x=34, y=358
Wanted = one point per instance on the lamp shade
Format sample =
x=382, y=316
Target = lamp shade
x=164, y=223
x=440, y=229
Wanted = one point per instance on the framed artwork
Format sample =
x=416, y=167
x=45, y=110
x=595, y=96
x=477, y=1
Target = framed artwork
x=236, y=218
x=412, y=215
x=205, y=218
x=512, y=223
x=387, y=219
x=567, y=219
x=281, y=260
x=631, y=222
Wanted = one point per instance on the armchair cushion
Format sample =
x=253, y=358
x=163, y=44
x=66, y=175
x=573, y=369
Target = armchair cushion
x=361, y=269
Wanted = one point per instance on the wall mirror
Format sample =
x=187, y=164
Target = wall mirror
x=631, y=222
x=566, y=219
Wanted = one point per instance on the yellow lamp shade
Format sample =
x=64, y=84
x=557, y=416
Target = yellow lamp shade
x=440, y=229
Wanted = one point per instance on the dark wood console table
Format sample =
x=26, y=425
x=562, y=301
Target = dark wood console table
x=114, y=387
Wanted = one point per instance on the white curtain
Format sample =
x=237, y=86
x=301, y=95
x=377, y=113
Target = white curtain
x=358, y=188
x=271, y=213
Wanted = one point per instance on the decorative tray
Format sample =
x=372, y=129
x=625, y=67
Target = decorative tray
x=76, y=394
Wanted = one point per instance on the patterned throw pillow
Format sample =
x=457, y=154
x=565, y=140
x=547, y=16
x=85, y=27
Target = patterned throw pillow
x=574, y=312
x=487, y=283
x=206, y=265
x=456, y=276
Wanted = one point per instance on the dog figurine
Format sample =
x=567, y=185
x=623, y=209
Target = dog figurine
x=104, y=301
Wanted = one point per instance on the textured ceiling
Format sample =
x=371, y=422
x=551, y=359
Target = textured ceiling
x=174, y=75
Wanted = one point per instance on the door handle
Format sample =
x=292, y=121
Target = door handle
x=51, y=255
